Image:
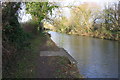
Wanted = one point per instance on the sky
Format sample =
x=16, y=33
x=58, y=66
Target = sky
x=66, y=12
x=72, y=3
x=99, y=0
x=77, y=2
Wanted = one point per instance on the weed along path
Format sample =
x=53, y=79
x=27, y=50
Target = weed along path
x=54, y=62
x=43, y=60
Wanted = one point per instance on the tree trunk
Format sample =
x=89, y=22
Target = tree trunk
x=119, y=14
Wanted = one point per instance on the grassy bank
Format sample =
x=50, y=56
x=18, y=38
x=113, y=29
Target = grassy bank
x=101, y=34
x=24, y=65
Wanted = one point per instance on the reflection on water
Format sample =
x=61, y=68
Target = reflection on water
x=96, y=58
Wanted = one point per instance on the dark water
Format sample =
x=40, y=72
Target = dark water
x=96, y=58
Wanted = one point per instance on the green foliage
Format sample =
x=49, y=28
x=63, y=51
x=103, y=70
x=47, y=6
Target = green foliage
x=39, y=10
x=16, y=36
x=12, y=32
x=14, y=39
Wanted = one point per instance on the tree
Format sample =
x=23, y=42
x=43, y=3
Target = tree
x=12, y=32
x=83, y=16
x=111, y=16
x=119, y=13
x=39, y=11
x=14, y=39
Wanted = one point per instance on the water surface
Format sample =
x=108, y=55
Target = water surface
x=96, y=58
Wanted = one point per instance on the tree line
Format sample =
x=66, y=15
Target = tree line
x=91, y=21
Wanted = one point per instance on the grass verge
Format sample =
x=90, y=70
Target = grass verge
x=24, y=66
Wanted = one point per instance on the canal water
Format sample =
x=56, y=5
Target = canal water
x=96, y=58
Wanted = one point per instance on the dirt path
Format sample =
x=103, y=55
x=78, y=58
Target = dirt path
x=43, y=60
x=56, y=67
x=52, y=63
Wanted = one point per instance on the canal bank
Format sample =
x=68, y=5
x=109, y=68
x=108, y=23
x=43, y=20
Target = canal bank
x=36, y=64
x=57, y=61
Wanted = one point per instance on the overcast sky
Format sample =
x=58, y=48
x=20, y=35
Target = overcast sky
x=77, y=2
x=73, y=3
